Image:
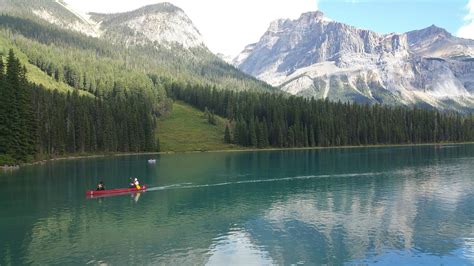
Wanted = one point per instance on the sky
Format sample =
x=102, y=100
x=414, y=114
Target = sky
x=229, y=25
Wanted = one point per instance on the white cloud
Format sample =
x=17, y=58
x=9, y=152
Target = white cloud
x=467, y=30
x=227, y=26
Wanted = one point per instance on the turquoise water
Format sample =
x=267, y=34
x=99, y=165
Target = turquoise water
x=406, y=205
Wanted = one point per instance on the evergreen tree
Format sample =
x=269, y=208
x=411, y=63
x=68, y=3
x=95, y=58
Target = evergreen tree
x=312, y=141
x=34, y=120
x=3, y=110
x=227, y=137
x=260, y=136
x=296, y=122
x=253, y=133
x=13, y=123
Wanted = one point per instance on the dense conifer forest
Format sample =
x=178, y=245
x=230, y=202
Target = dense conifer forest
x=35, y=122
x=275, y=120
x=114, y=95
x=95, y=65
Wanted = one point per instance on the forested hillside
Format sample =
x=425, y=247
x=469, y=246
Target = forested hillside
x=70, y=93
x=92, y=96
x=94, y=64
x=271, y=120
x=35, y=122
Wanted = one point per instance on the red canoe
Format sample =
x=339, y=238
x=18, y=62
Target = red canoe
x=117, y=191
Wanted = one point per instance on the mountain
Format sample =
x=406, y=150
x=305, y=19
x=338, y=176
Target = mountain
x=162, y=23
x=58, y=13
x=157, y=40
x=314, y=56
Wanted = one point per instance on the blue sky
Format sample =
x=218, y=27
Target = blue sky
x=229, y=25
x=387, y=16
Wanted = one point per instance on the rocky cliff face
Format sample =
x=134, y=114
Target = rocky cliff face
x=162, y=24
x=52, y=11
x=316, y=57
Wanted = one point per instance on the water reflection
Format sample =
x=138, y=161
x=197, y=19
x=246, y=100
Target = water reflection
x=409, y=205
x=363, y=221
x=237, y=248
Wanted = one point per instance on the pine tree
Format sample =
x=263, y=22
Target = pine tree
x=253, y=133
x=157, y=145
x=260, y=136
x=306, y=140
x=3, y=110
x=266, y=136
x=312, y=141
x=13, y=123
x=291, y=137
x=227, y=137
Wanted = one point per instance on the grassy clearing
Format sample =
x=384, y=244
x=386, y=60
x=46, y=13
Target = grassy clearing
x=187, y=130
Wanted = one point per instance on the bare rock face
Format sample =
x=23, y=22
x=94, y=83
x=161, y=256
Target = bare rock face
x=161, y=24
x=314, y=56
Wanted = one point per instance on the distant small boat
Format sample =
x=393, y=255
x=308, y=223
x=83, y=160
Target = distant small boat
x=152, y=161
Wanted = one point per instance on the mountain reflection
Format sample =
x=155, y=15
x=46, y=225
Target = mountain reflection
x=310, y=207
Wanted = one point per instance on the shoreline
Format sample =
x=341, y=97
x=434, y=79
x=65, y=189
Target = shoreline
x=91, y=156
x=341, y=147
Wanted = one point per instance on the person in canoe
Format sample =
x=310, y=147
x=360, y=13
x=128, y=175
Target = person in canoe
x=100, y=186
x=137, y=183
x=134, y=183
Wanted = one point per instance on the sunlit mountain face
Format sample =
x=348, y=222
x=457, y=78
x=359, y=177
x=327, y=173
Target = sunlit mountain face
x=314, y=56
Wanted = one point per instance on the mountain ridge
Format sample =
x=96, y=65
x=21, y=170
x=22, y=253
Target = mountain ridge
x=184, y=59
x=161, y=23
x=314, y=56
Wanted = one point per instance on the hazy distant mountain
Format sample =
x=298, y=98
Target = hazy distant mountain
x=317, y=57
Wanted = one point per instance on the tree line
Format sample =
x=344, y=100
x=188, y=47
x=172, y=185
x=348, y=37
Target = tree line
x=268, y=119
x=36, y=122
x=95, y=65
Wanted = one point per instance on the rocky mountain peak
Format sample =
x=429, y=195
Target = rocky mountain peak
x=164, y=7
x=159, y=24
x=313, y=16
x=435, y=30
x=161, y=7
x=316, y=57
x=430, y=33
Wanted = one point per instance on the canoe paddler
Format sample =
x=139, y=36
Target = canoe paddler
x=137, y=183
x=134, y=183
x=100, y=186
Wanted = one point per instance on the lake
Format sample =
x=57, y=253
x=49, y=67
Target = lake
x=399, y=205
